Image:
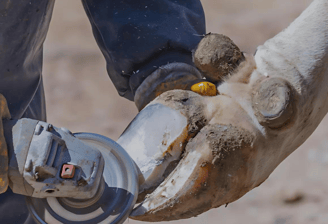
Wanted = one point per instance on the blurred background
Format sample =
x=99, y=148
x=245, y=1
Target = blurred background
x=81, y=97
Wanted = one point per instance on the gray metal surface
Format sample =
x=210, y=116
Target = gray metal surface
x=119, y=193
x=40, y=152
x=18, y=137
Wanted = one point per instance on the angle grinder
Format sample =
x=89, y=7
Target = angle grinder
x=70, y=178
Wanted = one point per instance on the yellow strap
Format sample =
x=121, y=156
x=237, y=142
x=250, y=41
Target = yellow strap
x=204, y=89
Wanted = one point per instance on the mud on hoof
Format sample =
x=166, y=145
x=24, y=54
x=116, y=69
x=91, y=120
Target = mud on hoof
x=217, y=56
x=215, y=164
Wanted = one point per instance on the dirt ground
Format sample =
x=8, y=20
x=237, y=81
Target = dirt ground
x=81, y=97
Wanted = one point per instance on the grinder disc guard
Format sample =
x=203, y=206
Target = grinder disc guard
x=114, y=200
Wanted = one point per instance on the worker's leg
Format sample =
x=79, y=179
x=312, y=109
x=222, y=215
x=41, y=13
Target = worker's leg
x=137, y=37
x=23, y=25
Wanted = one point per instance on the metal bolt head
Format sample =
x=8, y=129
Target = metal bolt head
x=68, y=171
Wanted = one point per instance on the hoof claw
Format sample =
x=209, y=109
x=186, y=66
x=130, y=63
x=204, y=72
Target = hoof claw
x=273, y=102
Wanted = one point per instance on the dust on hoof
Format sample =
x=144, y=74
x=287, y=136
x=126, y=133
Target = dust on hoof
x=273, y=102
x=217, y=56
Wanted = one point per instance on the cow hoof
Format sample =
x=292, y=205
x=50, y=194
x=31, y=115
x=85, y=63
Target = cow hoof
x=217, y=56
x=273, y=102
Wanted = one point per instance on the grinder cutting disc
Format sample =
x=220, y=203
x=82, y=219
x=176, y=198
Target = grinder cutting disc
x=113, y=201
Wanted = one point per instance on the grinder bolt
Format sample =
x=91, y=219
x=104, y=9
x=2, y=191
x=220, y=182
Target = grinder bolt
x=67, y=171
